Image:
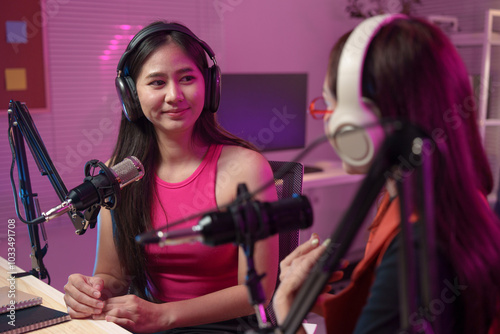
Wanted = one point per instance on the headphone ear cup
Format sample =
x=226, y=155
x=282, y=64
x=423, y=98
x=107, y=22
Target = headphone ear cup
x=212, y=88
x=357, y=134
x=125, y=87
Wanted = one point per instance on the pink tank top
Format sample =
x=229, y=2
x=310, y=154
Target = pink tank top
x=189, y=270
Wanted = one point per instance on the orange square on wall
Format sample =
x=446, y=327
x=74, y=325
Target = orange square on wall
x=15, y=79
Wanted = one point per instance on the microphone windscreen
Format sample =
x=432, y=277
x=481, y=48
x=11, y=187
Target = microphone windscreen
x=127, y=171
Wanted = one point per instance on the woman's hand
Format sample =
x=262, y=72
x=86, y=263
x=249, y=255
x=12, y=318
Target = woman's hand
x=83, y=295
x=134, y=313
x=294, y=270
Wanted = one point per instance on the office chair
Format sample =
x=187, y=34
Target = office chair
x=288, y=180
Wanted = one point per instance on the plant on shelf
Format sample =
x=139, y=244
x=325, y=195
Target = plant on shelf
x=367, y=8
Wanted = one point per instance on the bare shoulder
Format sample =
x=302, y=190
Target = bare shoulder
x=241, y=165
x=242, y=158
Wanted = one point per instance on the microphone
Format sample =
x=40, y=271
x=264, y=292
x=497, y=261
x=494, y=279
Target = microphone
x=253, y=219
x=96, y=189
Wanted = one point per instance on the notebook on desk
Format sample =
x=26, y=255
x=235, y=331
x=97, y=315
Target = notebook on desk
x=22, y=312
x=15, y=299
x=30, y=318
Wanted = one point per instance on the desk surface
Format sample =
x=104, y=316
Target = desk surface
x=331, y=175
x=54, y=299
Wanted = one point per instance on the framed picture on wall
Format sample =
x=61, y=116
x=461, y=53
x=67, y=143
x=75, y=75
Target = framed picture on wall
x=23, y=61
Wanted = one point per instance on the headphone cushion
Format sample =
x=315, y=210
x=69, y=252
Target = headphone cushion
x=212, y=88
x=125, y=87
x=354, y=143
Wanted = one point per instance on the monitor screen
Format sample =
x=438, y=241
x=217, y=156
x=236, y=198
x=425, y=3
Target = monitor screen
x=269, y=110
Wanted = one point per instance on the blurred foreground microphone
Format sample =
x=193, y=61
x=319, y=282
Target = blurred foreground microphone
x=102, y=189
x=252, y=219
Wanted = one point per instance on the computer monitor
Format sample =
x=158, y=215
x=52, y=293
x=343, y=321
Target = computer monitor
x=269, y=110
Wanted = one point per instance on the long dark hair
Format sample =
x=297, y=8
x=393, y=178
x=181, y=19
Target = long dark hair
x=133, y=215
x=413, y=72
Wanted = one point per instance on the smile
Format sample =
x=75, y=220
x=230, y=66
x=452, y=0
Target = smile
x=175, y=112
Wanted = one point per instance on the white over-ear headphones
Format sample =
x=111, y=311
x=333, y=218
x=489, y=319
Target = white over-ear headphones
x=352, y=129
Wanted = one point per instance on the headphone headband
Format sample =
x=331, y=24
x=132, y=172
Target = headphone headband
x=161, y=27
x=350, y=68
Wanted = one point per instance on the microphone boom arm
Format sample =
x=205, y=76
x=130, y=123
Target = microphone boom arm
x=23, y=129
x=19, y=130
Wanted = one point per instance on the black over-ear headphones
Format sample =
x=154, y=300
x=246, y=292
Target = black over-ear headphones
x=125, y=85
x=352, y=128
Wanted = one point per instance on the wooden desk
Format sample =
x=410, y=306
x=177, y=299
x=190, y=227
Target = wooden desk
x=54, y=299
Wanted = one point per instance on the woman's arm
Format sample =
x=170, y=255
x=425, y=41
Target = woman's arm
x=85, y=295
x=107, y=264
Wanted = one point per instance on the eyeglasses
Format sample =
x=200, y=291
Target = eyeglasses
x=319, y=108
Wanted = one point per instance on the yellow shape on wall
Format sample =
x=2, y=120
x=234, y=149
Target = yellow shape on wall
x=15, y=79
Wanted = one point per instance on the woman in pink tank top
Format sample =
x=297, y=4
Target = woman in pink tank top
x=170, y=95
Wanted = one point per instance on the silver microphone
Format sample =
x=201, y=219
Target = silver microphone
x=97, y=188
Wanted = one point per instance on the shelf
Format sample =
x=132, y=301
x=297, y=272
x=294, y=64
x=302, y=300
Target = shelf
x=474, y=39
x=492, y=122
x=485, y=40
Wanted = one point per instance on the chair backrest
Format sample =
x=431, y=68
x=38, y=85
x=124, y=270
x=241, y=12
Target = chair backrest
x=288, y=180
